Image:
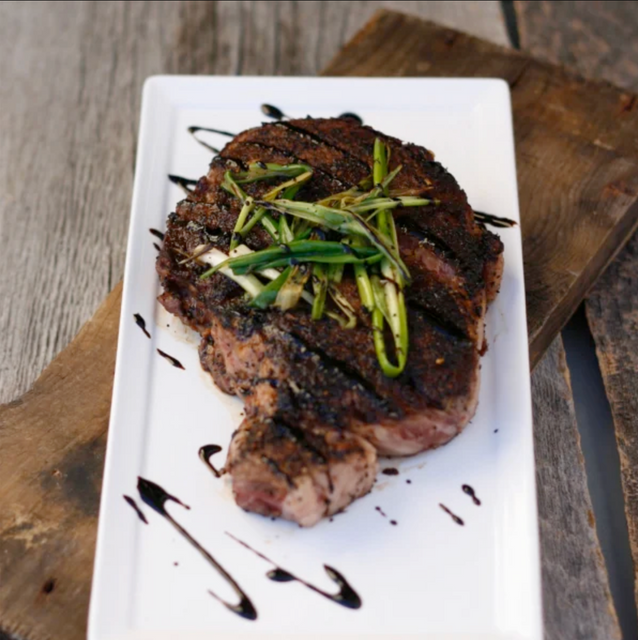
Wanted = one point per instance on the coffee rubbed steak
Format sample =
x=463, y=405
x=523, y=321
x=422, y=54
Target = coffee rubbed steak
x=319, y=409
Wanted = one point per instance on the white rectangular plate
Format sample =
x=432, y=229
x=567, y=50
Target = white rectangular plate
x=424, y=577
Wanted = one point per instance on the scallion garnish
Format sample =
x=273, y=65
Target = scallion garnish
x=290, y=293
x=300, y=174
x=344, y=306
x=269, y=294
x=343, y=221
x=298, y=251
x=269, y=171
x=306, y=246
x=319, y=288
x=247, y=207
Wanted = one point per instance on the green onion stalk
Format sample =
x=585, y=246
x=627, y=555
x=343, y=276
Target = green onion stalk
x=389, y=300
x=292, y=289
x=297, y=251
x=262, y=295
x=269, y=294
x=267, y=171
x=299, y=174
x=345, y=222
x=320, y=289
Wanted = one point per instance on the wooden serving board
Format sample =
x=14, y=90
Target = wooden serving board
x=578, y=181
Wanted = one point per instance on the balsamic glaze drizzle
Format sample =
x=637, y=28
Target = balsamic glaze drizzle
x=385, y=515
x=174, y=361
x=221, y=132
x=470, y=492
x=194, y=130
x=352, y=116
x=390, y=471
x=156, y=498
x=157, y=234
x=156, y=246
x=452, y=515
x=182, y=183
x=206, y=453
x=346, y=596
x=137, y=510
x=141, y=323
x=273, y=112
x=495, y=221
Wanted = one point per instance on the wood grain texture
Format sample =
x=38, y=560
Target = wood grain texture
x=52, y=442
x=597, y=38
x=69, y=105
x=612, y=312
x=576, y=597
x=600, y=39
x=574, y=219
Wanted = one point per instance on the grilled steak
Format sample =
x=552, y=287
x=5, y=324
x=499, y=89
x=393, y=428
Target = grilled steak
x=318, y=407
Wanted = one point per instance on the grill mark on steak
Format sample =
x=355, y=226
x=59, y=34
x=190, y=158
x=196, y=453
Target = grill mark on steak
x=274, y=465
x=438, y=322
x=299, y=436
x=424, y=236
x=310, y=151
x=360, y=142
x=342, y=367
x=470, y=249
x=321, y=140
x=257, y=486
x=233, y=148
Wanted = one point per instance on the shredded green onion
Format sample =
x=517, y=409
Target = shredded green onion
x=320, y=289
x=362, y=217
x=249, y=283
x=269, y=294
x=345, y=222
x=292, y=289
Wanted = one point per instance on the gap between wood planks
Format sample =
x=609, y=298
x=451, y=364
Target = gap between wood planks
x=598, y=442
x=509, y=15
x=602, y=463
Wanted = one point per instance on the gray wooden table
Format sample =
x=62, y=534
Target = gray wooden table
x=69, y=101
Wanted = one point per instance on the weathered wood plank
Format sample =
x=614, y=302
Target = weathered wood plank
x=576, y=598
x=69, y=103
x=574, y=220
x=50, y=485
x=612, y=312
x=600, y=39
